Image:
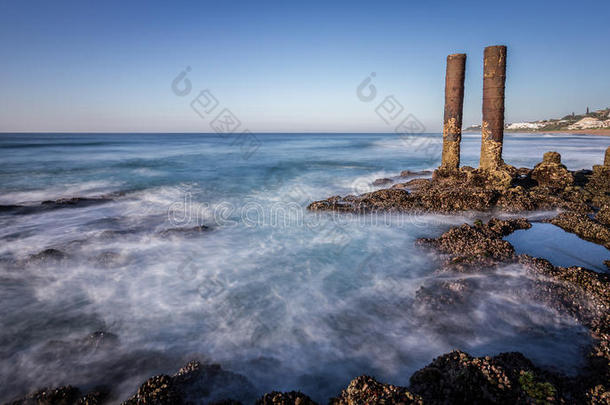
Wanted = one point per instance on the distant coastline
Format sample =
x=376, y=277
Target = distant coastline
x=589, y=123
x=598, y=131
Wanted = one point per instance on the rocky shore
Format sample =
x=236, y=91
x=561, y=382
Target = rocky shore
x=547, y=186
x=583, y=198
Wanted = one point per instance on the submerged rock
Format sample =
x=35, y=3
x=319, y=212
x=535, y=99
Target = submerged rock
x=184, y=231
x=47, y=256
x=445, y=296
x=75, y=201
x=409, y=173
x=381, y=182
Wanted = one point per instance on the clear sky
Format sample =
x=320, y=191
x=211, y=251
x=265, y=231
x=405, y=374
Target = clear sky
x=287, y=65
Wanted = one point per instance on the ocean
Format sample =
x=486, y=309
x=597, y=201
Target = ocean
x=198, y=246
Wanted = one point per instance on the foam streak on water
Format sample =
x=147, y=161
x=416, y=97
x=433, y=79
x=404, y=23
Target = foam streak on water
x=291, y=299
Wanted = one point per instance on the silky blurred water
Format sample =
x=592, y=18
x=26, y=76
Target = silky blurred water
x=291, y=299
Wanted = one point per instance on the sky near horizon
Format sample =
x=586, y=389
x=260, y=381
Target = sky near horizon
x=283, y=66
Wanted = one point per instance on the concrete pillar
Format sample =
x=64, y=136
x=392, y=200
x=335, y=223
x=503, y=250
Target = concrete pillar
x=454, y=102
x=492, y=128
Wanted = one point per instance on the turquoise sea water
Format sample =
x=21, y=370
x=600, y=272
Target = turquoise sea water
x=291, y=299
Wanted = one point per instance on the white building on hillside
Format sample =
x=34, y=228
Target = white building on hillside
x=587, y=123
x=524, y=125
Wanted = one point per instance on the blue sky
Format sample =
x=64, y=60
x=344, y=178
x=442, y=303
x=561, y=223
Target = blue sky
x=288, y=66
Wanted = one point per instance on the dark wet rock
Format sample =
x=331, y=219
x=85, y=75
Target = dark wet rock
x=187, y=231
x=583, y=226
x=510, y=378
x=479, y=243
x=409, y=173
x=47, y=256
x=74, y=202
x=194, y=383
x=382, y=200
x=66, y=395
x=381, y=182
x=9, y=209
x=412, y=184
x=97, y=397
x=285, y=398
x=157, y=390
x=367, y=390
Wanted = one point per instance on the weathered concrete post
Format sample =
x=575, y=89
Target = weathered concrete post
x=492, y=128
x=454, y=102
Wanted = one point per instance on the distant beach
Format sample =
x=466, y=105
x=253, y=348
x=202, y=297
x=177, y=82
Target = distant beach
x=600, y=131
